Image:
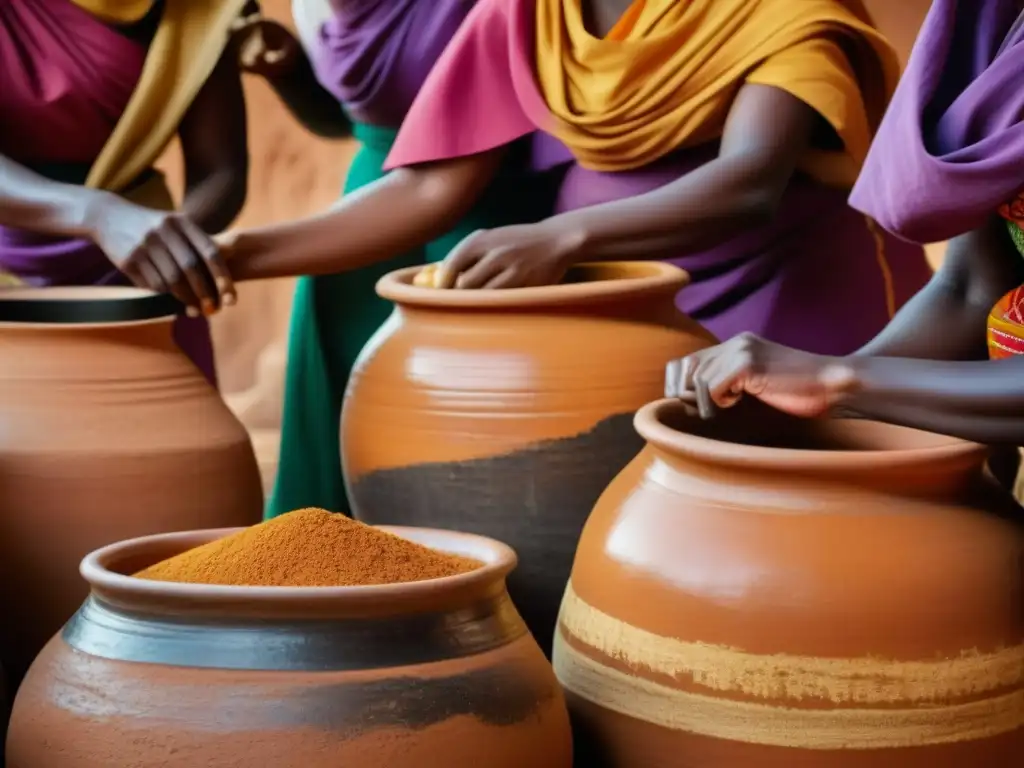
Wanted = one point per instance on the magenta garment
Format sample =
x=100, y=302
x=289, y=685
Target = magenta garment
x=65, y=80
x=811, y=279
x=950, y=150
x=374, y=55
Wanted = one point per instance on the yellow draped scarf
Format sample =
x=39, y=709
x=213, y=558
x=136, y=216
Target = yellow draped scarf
x=189, y=41
x=116, y=11
x=666, y=76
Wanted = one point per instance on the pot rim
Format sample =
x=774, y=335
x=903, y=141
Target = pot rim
x=649, y=423
x=142, y=594
x=84, y=306
x=638, y=278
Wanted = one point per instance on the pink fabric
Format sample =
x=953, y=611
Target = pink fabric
x=481, y=94
x=65, y=79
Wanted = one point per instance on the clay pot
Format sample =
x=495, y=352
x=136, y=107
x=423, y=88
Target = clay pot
x=843, y=594
x=430, y=674
x=107, y=432
x=506, y=413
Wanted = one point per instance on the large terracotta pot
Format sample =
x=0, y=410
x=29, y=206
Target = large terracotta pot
x=844, y=595
x=432, y=674
x=107, y=432
x=506, y=413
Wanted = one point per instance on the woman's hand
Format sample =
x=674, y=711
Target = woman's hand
x=164, y=252
x=265, y=48
x=797, y=383
x=518, y=256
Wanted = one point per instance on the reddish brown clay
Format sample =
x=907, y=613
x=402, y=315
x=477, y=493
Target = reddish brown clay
x=506, y=413
x=838, y=594
x=428, y=674
x=107, y=431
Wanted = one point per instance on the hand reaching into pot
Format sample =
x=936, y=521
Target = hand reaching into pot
x=518, y=256
x=797, y=383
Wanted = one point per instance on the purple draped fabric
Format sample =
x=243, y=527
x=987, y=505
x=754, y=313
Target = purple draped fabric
x=65, y=80
x=950, y=150
x=375, y=54
x=818, y=259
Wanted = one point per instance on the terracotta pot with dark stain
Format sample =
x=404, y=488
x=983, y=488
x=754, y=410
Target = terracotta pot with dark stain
x=107, y=432
x=430, y=674
x=507, y=412
x=821, y=594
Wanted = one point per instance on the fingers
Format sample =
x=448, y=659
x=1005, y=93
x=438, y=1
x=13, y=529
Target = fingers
x=171, y=273
x=683, y=382
x=462, y=258
x=714, y=378
x=480, y=274
x=177, y=257
x=212, y=257
x=193, y=278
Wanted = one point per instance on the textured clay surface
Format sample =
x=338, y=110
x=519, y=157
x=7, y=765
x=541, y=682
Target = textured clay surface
x=106, y=433
x=507, y=412
x=838, y=595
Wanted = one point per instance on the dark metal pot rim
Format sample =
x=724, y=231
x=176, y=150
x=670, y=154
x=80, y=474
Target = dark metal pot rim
x=84, y=305
x=125, y=592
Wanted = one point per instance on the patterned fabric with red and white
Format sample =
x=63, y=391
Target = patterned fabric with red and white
x=1006, y=321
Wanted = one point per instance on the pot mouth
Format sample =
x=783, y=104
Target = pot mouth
x=84, y=305
x=108, y=571
x=584, y=284
x=798, y=445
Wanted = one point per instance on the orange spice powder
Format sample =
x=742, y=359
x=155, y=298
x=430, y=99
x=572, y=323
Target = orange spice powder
x=308, y=548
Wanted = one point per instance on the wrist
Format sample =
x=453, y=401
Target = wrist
x=91, y=213
x=570, y=238
x=846, y=381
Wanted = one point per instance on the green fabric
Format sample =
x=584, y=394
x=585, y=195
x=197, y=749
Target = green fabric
x=1017, y=234
x=332, y=319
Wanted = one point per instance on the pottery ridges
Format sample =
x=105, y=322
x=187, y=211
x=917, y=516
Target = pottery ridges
x=783, y=700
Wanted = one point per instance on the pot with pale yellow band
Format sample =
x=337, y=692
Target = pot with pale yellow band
x=818, y=594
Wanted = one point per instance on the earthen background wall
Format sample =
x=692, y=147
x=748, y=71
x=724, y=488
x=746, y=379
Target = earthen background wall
x=294, y=174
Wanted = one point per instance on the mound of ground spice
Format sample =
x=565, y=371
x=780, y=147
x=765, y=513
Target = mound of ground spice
x=308, y=548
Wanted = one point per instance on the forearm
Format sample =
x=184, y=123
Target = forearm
x=703, y=209
x=30, y=201
x=939, y=323
x=976, y=400
x=310, y=104
x=214, y=201
x=946, y=320
x=403, y=210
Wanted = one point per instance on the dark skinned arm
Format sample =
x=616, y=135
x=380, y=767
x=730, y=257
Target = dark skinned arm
x=979, y=400
x=403, y=210
x=767, y=132
x=270, y=50
x=213, y=142
x=979, y=268
x=314, y=107
x=33, y=202
x=974, y=274
x=957, y=391
x=160, y=250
